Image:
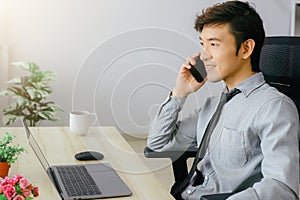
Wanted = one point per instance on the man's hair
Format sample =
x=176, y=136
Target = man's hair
x=245, y=23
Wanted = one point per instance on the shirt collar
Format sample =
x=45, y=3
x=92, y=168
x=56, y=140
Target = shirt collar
x=251, y=83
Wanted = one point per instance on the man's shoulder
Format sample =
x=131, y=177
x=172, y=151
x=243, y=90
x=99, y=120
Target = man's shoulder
x=270, y=95
x=273, y=93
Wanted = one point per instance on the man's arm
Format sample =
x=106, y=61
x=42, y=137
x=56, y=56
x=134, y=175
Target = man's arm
x=166, y=132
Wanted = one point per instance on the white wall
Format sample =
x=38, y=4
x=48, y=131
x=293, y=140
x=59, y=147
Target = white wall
x=118, y=58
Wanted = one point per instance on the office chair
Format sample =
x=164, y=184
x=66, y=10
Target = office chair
x=280, y=64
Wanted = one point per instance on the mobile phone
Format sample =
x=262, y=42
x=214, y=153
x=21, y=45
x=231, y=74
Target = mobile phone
x=198, y=70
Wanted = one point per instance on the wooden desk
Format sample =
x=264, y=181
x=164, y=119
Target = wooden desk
x=59, y=146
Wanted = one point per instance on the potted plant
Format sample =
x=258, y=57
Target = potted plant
x=9, y=153
x=31, y=95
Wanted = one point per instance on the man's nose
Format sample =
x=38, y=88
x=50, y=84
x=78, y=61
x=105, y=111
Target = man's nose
x=204, y=56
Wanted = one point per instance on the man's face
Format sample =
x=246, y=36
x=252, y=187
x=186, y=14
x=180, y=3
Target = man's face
x=219, y=54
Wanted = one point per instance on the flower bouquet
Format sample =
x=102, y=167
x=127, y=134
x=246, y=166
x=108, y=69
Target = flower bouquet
x=17, y=188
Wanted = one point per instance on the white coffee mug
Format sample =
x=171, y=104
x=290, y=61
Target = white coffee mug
x=80, y=121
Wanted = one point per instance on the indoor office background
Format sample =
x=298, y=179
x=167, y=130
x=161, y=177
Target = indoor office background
x=118, y=58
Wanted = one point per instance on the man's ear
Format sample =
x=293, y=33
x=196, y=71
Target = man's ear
x=247, y=48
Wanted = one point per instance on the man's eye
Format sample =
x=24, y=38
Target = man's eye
x=213, y=44
x=201, y=43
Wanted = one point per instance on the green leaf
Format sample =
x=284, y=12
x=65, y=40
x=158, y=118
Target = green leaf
x=16, y=80
x=44, y=115
x=5, y=93
x=2, y=197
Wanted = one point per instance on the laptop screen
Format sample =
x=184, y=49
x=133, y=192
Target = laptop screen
x=36, y=148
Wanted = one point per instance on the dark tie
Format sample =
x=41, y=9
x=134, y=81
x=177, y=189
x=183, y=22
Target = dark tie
x=198, y=179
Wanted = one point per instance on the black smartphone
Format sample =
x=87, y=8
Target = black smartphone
x=198, y=70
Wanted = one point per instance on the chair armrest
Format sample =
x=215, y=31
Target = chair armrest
x=221, y=196
x=173, y=155
x=179, y=161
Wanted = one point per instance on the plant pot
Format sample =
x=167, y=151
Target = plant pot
x=4, y=168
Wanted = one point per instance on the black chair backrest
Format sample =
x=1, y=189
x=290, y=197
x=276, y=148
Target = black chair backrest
x=280, y=64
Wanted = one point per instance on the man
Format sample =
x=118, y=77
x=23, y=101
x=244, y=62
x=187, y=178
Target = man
x=253, y=149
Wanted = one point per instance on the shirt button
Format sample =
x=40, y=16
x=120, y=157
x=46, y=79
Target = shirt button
x=189, y=191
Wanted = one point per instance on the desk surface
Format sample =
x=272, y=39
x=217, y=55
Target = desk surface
x=59, y=146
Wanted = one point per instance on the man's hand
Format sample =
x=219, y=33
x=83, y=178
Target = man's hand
x=186, y=83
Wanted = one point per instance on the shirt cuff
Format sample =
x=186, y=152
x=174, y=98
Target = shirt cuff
x=174, y=101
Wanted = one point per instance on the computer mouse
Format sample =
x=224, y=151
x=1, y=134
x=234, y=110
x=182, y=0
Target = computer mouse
x=89, y=155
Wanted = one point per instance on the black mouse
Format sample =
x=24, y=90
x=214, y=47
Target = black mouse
x=89, y=155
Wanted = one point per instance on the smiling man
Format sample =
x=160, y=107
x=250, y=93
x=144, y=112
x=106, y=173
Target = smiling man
x=249, y=143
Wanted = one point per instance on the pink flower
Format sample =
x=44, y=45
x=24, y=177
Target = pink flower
x=18, y=197
x=9, y=191
x=24, y=183
x=27, y=193
x=17, y=177
x=7, y=181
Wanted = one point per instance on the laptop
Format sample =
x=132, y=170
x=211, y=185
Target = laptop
x=95, y=181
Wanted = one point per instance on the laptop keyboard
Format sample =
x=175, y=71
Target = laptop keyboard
x=77, y=181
